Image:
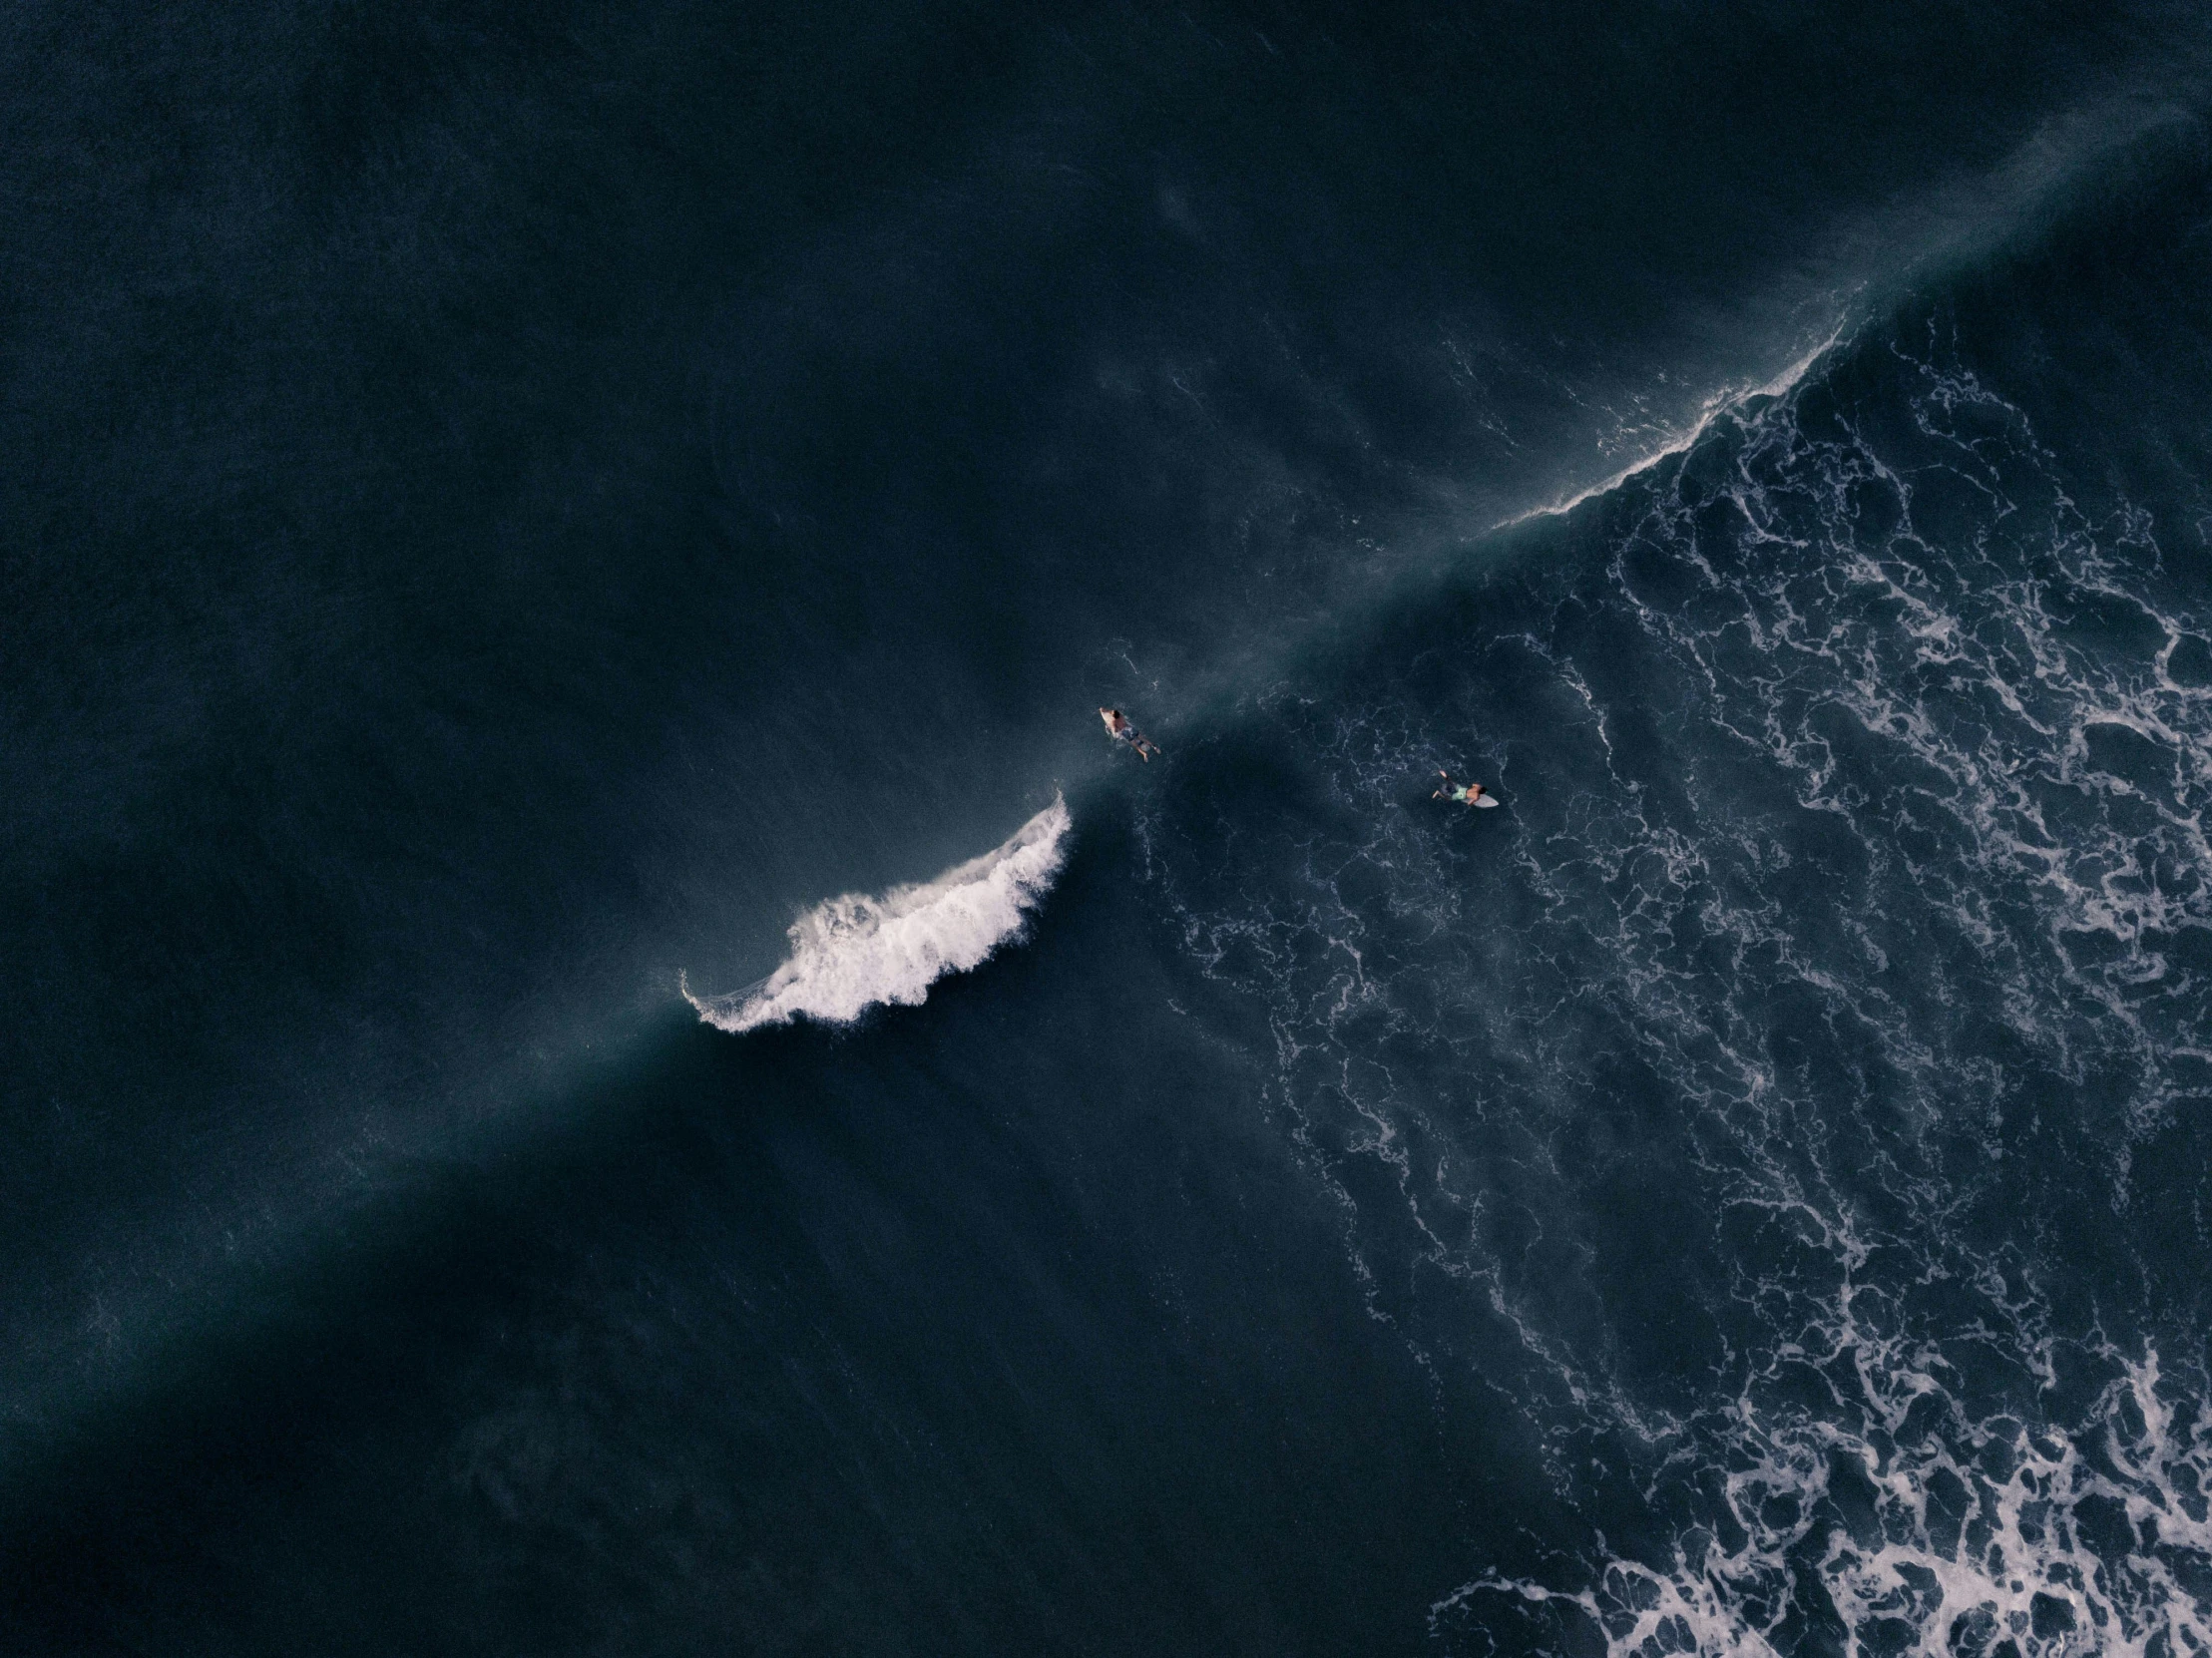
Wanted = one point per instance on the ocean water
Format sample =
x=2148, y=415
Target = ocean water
x=602, y=1057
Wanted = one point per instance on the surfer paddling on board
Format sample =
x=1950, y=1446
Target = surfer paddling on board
x=1470, y=795
x=1121, y=730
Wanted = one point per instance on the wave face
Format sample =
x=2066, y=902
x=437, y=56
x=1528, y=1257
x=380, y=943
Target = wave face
x=853, y=952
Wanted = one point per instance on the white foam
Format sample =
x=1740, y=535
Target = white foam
x=853, y=952
x=1679, y=442
x=1933, y=674
x=1964, y=1575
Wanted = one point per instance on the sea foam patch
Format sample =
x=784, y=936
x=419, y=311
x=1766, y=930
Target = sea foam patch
x=1859, y=874
x=1925, y=1531
x=856, y=951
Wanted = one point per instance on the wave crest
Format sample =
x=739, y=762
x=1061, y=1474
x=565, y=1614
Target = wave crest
x=855, y=952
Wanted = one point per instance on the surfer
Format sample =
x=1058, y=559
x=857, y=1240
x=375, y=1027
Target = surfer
x=1470, y=795
x=1121, y=730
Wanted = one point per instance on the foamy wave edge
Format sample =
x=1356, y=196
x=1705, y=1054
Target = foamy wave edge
x=1726, y=401
x=855, y=952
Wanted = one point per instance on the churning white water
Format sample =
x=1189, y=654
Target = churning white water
x=856, y=951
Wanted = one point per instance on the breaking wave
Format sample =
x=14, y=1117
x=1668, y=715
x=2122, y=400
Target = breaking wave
x=853, y=952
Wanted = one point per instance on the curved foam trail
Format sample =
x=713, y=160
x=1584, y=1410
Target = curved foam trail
x=853, y=952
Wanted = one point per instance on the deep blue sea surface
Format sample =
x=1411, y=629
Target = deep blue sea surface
x=599, y=1055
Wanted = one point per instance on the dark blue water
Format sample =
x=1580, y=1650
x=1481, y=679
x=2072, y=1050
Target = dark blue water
x=602, y=1057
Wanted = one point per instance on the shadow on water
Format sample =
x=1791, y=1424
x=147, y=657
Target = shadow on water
x=987, y=1322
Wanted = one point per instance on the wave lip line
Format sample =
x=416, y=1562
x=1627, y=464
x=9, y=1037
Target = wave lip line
x=856, y=951
x=1720, y=403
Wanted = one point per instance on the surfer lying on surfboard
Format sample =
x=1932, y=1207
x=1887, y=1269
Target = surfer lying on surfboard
x=1121, y=730
x=1467, y=793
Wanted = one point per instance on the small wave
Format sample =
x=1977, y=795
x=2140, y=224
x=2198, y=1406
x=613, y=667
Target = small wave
x=1727, y=400
x=853, y=952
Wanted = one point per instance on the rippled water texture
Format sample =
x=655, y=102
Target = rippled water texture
x=602, y=1057
x=1760, y=1092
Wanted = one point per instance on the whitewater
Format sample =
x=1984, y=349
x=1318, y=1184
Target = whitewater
x=1851, y=682
x=856, y=951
